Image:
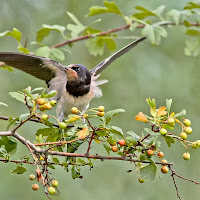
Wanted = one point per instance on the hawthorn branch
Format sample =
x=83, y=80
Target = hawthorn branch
x=112, y=31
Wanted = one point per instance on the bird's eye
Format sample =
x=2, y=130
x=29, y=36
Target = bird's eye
x=76, y=69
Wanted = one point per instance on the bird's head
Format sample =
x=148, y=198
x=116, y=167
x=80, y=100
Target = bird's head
x=78, y=73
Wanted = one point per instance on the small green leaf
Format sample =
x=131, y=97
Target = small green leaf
x=12, y=121
x=117, y=130
x=148, y=172
x=44, y=32
x=56, y=54
x=102, y=132
x=75, y=174
x=168, y=105
x=22, y=117
x=42, y=51
x=192, y=5
x=134, y=135
x=15, y=34
x=169, y=140
x=9, y=143
x=56, y=161
x=38, y=89
x=3, y=104
x=110, y=7
x=151, y=103
x=110, y=43
x=107, y=148
x=180, y=115
x=23, y=49
x=18, y=170
x=193, y=32
x=95, y=46
x=144, y=13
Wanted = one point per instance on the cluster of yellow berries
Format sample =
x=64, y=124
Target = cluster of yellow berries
x=51, y=189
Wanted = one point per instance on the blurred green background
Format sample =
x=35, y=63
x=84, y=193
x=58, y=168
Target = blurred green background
x=161, y=72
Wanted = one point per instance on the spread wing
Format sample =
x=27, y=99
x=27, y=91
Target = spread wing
x=105, y=63
x=40, y=67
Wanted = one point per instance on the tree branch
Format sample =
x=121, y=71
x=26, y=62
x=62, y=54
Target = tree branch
x=112, y=31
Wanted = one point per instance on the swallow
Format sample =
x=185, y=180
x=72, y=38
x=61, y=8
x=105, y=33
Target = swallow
x=76, y=86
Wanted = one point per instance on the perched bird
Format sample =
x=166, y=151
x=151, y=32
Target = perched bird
x=75, y=85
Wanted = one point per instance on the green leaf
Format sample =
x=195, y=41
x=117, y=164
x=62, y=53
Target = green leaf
x=110, y=7
x=56, y=54
x=75, y=174
x=12, y=121
x=110, y=43
x=23, y=49
x=192, y=47
x=52, y=134
x=44, y=32
x=38, y=89
x=151, y=103
x=22, y=117
x=193, y=32
x=192, y=5
x=3, y=152
x=148, y=32
x=43, y=51
x=18, y=96
x=168, y=105
x=108, y=116
x=18, y=170
x=9, y=143
x=3, y=104
x=15, y=34
x=148, y=172
x=107, y=148
x=144, y=13
x=179, y=16
x=56, y=161
x=169, y=140
x=95, y=46
x=6, y=67
x=102, y=132
x=180, y=115
x=134, y=135
x=117, y=130
x=75, y=29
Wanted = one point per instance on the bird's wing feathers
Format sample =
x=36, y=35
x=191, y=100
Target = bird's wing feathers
x=105, y=63
x=42, y=68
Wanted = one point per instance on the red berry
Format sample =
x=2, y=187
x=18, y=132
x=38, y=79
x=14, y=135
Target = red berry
x=35, y=187
x=164, y=169
x=122, y=142
x=114, y=148
x=150, y=152
x=161, y=154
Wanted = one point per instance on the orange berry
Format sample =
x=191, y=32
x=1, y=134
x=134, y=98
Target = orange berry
x=122, y=142
x=114, y=148
x=164, y=169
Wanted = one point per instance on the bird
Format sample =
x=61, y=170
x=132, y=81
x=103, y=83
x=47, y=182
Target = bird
x=76, y=86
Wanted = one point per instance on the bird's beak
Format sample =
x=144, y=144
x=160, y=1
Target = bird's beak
x=71, y=74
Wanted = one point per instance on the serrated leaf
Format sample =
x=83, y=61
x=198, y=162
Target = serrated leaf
x=192, y=5
x=153, y=111
x=161, y=111
x=181, y=114
x=22, y=117
x=52, y=134
x=168, y=105
x=148, y=172
x=15, y=34
x=44, y=32
x=3, y=104
x=144, y=13
x=151, y=103
x=108, y=116
x=110, y=7
x=169, y=140
x=43, y=51
x=117, y=130
x=179, y=16
x=18, y=170
x=57, y=54
x=95, y=46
